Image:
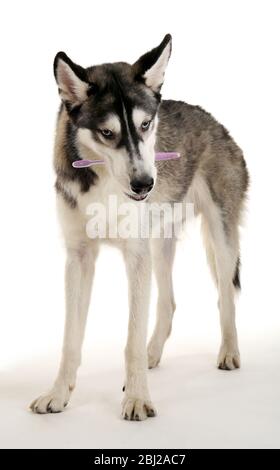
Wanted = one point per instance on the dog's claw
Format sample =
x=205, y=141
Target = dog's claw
x=229, y=358
x=49, y=410
x=54, y=401
x=151, y=413
x=137, y=410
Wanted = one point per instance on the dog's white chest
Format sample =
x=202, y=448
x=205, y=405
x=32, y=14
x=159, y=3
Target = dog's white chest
x=104, y=208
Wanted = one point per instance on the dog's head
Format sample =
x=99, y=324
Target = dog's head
x=114, y=108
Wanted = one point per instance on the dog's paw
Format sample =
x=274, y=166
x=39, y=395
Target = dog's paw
x=228, y=358
x=154, y=354
x=52, y=402
x=134, y=409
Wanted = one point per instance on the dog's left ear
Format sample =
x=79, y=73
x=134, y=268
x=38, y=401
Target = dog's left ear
x=151, y=66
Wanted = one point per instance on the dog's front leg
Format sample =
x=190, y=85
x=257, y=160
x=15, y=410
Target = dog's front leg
x=78, y=281
x=137, y=404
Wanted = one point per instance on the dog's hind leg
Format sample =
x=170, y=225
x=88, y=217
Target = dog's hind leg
x=208, y=244
x=137, y=404
x=223, y=256
x=163, y=251
x=78, y=281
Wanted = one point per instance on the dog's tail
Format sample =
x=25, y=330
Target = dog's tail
x=236, y=277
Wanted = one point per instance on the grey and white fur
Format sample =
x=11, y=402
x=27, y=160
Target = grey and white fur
x=114, y=111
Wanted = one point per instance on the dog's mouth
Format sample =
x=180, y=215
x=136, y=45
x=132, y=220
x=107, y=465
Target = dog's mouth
x=137, y=197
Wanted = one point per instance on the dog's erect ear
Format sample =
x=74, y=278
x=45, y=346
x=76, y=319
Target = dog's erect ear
x=151, y=66
x=71, y=79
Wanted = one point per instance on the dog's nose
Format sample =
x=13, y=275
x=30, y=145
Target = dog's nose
x=143, y=185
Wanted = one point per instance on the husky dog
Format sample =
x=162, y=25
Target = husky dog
x=114, y=112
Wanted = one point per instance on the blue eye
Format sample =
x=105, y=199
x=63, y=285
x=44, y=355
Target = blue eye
x=145, y=125
x=107, y=133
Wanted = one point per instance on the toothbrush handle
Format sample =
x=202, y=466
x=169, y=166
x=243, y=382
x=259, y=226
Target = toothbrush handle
x=159, y=156
x=167, y=156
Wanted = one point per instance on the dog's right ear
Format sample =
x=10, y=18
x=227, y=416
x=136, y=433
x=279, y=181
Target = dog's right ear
x=71, y=79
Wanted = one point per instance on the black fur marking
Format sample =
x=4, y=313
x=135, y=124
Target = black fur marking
x=71, y=201
x=93, y=89
x=236, y=279
x=130, y=138
x=73, y=111
x=84, y=176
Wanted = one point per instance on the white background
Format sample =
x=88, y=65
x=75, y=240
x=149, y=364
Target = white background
x=225, y=58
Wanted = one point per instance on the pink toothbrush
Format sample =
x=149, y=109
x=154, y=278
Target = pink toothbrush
x=160, y=156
